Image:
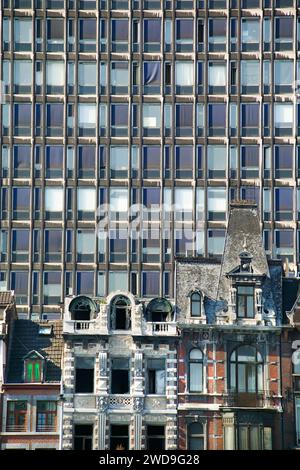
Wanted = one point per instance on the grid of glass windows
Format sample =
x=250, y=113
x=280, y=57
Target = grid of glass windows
x=194, y=107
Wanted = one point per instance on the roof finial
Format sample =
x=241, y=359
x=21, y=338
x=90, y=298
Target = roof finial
x=245, y=243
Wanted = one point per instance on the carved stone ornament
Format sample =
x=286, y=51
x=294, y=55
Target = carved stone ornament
x=138, y=403
x=102, y=403
x=138, y=373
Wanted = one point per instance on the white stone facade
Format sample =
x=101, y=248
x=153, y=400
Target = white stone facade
x=143, y=341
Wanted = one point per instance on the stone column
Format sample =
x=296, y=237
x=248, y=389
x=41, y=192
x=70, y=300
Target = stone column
x=229, y=431
x=102, y=398
x=138, y=404
x=102, y=406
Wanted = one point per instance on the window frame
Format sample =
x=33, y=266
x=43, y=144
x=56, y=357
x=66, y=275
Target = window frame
x=235, y=371
x=245, y=297
x=200, y=388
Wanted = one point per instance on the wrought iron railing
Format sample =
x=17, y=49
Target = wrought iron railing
x=259, y=399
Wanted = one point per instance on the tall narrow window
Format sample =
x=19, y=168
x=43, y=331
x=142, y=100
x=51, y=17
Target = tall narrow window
x=196, y=370
x=152, y=35
x=196, y=436
x=120, y=376
x=84, y=375
x=119, y=35
x=245, y=302
x=246, y=370
x=46, y=416
x=196, y=304
x=297, y=407
x=87, y=34
x=284, y=32
x=152, y=78
x=156, y=376
x=120, y=313
x=16, y=416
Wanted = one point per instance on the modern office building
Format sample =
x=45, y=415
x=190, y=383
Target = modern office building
x=217, y=367
x=193, y=103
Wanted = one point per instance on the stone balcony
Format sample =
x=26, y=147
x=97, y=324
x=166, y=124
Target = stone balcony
x=161, y=329
x=82, y=327
x=94, y=327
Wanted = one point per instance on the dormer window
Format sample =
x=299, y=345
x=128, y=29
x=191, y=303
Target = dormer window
x=120, y=313
x=159, y=310
x=33, y=367
x=245, y=301
x=196, y=304
x=82, y=310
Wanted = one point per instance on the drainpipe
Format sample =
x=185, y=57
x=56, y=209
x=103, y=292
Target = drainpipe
x=281, y=387
x=61, y=400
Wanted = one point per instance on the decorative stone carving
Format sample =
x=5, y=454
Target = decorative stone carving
x=84, y=401
x=120, y=401
x=102, y=403
x=149, y=419
x=120, y=342
x=138, y=404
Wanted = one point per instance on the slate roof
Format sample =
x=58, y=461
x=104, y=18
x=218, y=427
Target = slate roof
x=26, y=338
x=211, y=278
x=243, y=229
x=291, y=291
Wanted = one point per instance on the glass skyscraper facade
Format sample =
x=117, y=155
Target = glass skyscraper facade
x=192, y=103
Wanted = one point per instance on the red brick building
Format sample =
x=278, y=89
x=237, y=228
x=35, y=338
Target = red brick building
x=31, y=417
x=230, y=315
x=7, y=314
x=290, y=365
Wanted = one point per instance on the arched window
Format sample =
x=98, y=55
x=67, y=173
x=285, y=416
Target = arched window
x=196, y=436
x=196, y=304
x=120, y=313
x=159, y=310
x=196, y=370
x=246, y=370
x=82, y=308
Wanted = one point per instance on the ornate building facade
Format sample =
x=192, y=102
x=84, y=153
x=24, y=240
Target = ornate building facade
x=119, y=373
x=230, y=317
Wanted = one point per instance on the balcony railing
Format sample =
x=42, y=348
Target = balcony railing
x=46, y=428
x=161, y=328
x=261, y=399
x=81, y=326
x=84, y=325
x=16, y=428
x=94, y=327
